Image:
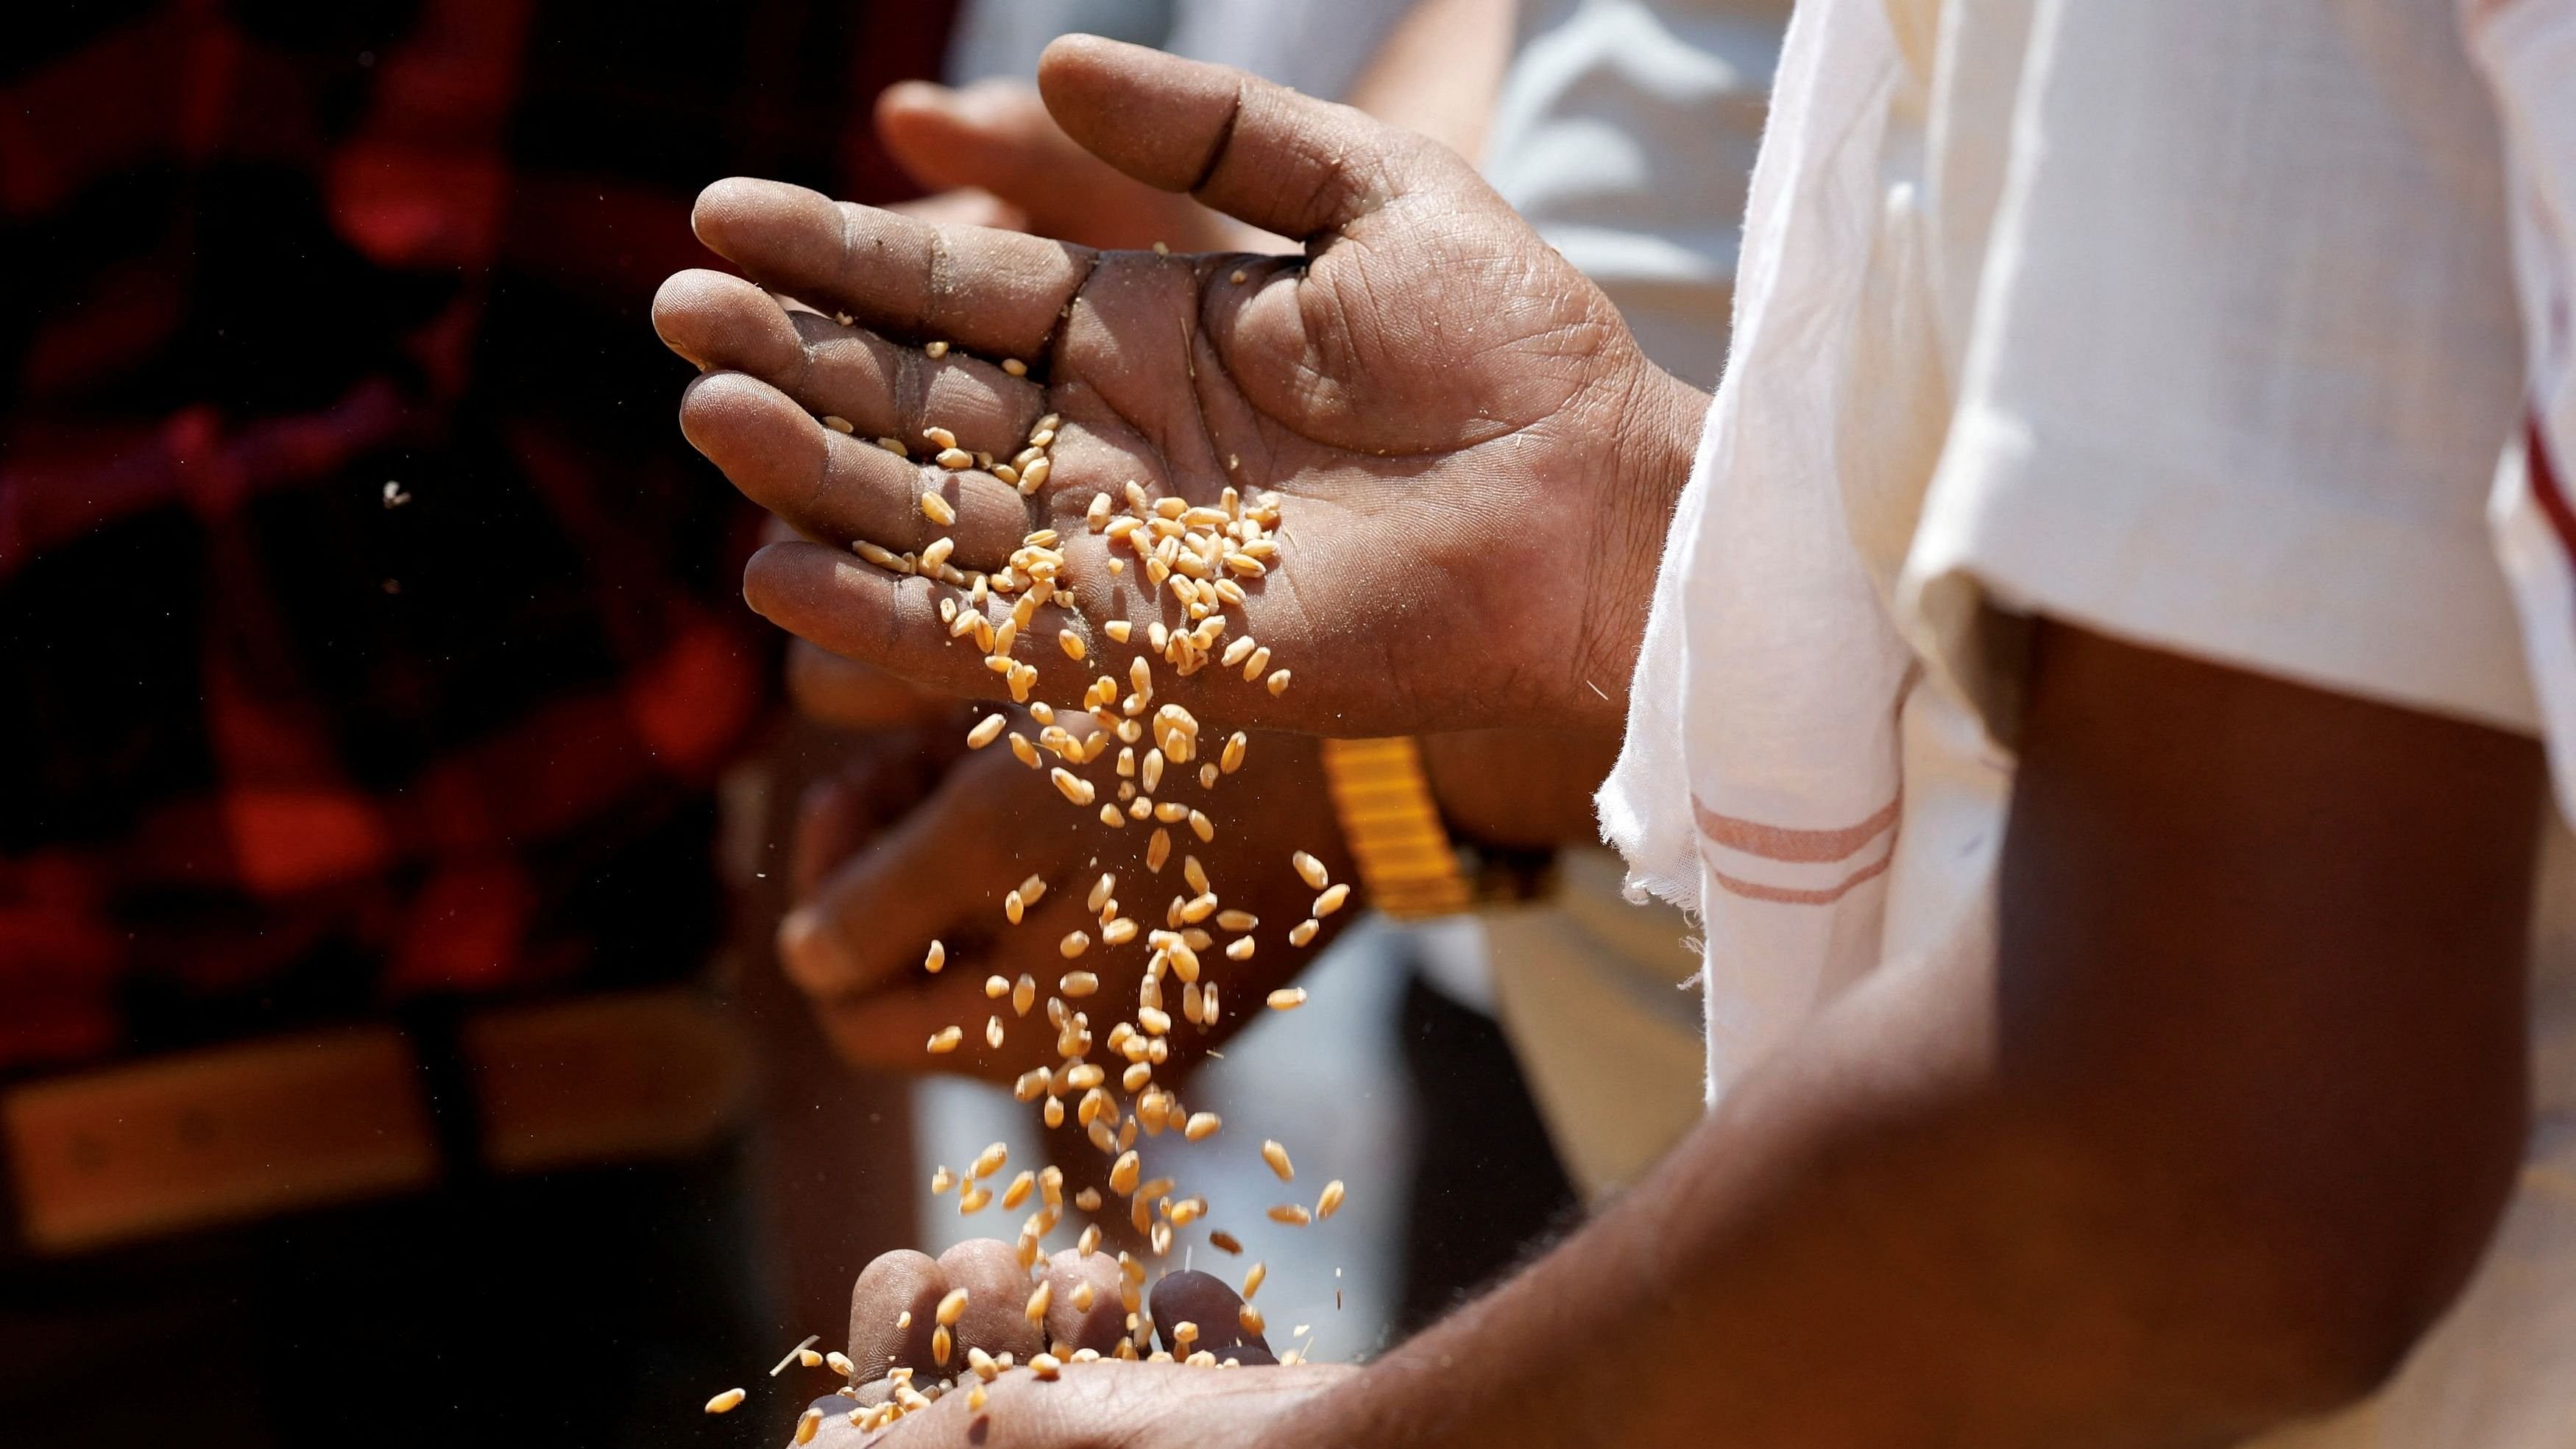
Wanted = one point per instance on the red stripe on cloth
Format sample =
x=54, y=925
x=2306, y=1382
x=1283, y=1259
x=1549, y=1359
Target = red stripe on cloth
x=1784, y=843
x=1783, y=895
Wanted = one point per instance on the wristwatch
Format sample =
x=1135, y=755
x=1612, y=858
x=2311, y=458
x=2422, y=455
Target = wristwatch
x=1409, y=865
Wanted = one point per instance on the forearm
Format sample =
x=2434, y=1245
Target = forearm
x=1872, y=1244
x=2207, y=1132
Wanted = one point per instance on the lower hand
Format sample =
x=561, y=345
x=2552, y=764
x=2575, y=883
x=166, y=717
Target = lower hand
x=894, y=1309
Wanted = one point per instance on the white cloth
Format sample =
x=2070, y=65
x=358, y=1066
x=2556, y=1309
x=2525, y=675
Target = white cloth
x=1625, y=132
x=2191, y=322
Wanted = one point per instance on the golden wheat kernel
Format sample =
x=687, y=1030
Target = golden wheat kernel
x=1199, y=908
x=1332, y=898
x=1202, y=1125
x=1073, y=945
x=1253, y=666
x=1054, y=1112
x=937, y=349
x=1019, y=1190
x=1110, y=817
x=1201, y=826
x=1004, y=635
x=1013, y=905
x=882, y=557
x=1071, y=786
x=1124, y=1173
x=1236, y=745
x=993, y=1032
x=1303, y=932
x=1024, y=994
x=945, y=1040
x=1154, y=1022
x=894, y=446
x=942, y=1180
x=986, y=731
x=972, y=1200
x=996, y=987
x=1331, y=1200
x=1171, y=812
x=1158, y=850
x=725, y=1402
x=1136, y=1076
x=955, y=460
x=1034, y=476
x=1310, y=870
x=1078, y=984
x=1031, y=1085
x=1039, y=1298
x=1190, y=1004
x=1292, y=1214
x=1045, y=1366
x=938, y=552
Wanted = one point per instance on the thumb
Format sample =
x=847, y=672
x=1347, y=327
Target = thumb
x=1254, y=150
x=993, y=135
x=997, y=138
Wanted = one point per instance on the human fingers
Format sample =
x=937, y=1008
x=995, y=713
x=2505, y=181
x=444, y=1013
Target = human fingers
x=860, y=611
x=978, y=868
x=998, y=1293
x=947, y=861
x=1202, y=1306
x=886, y=775
x=1083, y=1309
x=839, y=490
x=1248, y=147
x=894, y=1308
x=996, y=137
x=723, y=323
x=1000, y=294
x=852, y=695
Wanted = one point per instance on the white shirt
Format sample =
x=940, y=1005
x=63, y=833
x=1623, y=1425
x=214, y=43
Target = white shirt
x=2190, y=322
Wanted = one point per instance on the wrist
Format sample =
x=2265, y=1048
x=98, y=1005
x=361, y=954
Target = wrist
x=1655, y=435
x=1521, y=790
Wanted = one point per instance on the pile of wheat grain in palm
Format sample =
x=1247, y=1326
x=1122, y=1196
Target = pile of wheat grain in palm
x=1198, y=554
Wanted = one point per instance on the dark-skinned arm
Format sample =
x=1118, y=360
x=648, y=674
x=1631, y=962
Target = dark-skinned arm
x=2208, y=1140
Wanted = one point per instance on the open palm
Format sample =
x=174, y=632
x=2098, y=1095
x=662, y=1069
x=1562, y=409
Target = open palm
x=1473, y=460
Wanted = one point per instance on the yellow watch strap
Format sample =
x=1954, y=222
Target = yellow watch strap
x=1407, y=861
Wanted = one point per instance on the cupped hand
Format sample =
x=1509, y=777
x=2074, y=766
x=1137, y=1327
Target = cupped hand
x=1474, y=462
x=895, y=1338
